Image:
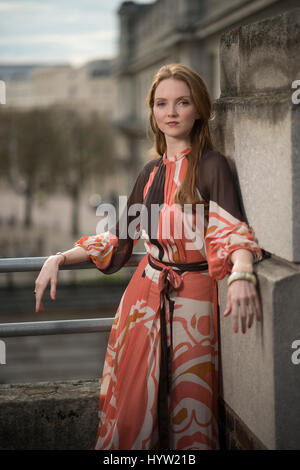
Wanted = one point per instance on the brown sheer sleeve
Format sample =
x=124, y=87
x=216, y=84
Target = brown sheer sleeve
x=111, y=250
x=226, y=230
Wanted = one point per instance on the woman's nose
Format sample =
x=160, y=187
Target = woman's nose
x=172, y=111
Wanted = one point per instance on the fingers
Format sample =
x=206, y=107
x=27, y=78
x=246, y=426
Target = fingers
x=53, y=288
x=228, y=306
x=251, y=316
x=243, y=307
x=235, y=317
x=48, y=273
x=254, y=307
x=243, y=300
x=39, y=306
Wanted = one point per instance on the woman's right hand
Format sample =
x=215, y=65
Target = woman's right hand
x=48, y=273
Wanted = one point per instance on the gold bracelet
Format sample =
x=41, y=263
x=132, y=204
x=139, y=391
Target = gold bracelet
x=60, y=253
x=241, y=275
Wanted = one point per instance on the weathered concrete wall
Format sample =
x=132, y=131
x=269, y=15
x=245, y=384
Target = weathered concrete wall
x=49, y=415
x=255, y=127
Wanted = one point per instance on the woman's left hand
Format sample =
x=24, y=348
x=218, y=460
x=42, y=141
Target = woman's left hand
x=242, y=295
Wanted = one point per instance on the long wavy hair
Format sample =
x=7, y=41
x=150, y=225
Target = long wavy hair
x=200, y=134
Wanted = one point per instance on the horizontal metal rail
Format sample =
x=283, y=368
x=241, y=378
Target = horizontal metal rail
x=55, y=327
x=35, y=264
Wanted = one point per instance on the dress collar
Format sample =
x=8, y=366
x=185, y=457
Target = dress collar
x=176, y=157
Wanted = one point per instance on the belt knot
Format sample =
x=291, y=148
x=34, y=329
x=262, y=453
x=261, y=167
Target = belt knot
x=169, y=277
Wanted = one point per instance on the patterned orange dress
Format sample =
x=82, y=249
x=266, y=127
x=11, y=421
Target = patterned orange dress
x=159, y=387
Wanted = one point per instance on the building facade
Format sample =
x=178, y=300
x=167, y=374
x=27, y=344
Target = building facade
x=91, y=87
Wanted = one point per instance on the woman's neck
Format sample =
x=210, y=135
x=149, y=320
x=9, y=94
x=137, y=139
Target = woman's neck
x=174, y=148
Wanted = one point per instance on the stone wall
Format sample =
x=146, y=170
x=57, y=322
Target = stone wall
x=49, y=415
x=255, y=127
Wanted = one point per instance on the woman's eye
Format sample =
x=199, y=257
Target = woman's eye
x=183, y=102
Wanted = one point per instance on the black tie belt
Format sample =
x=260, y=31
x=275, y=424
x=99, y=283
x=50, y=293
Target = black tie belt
x=169, y=279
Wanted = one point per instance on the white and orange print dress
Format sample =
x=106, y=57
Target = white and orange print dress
x=159, y=387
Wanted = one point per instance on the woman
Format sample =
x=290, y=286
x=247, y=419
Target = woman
x=159, y=387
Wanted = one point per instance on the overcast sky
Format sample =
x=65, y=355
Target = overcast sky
x=58, y=31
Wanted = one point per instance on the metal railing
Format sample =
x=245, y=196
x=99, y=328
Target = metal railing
x=90, y=325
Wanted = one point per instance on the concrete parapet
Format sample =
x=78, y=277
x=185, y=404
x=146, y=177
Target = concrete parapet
x=257, y=126
x=259, y=135
x=260, y=381
x=49, y=415
x=261, y=57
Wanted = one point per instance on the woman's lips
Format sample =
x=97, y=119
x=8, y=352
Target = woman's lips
x=172, y=123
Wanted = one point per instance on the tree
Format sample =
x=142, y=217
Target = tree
x=87, y=144
x=48, y=148
x=32, y=153
x=4, y=140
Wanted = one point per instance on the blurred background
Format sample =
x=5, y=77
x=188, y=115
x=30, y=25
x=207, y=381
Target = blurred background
x=73, y=135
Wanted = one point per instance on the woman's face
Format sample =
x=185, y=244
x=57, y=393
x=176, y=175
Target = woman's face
x=174, y=109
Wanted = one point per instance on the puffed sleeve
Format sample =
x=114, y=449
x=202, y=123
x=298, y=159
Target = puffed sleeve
x=111, y=250
x=226, y=230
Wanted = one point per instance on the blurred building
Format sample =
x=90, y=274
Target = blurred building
x=185, y=31
x=90, y=87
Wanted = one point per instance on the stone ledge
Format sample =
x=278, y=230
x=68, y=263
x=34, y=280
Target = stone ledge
x=42, y=390
x=49, y=415
x=259, y=134
x=258, y=379
x=261, y=56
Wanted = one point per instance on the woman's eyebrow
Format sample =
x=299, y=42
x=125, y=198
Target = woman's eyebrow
x=179, y=98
